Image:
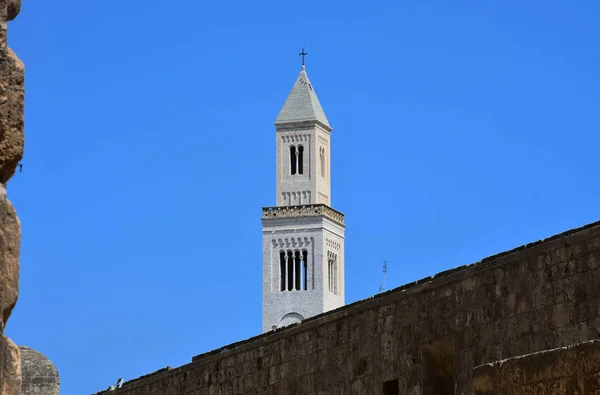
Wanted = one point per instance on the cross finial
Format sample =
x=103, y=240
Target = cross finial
x=303, y=54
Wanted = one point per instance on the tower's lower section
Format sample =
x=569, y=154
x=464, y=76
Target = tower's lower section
x=303, y=263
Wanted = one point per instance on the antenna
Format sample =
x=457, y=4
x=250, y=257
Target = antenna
x=382, y=285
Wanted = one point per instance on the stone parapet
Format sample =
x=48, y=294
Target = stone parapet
x=307, y=210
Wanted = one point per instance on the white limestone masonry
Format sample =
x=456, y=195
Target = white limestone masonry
x=302, y=229
x=313, y=186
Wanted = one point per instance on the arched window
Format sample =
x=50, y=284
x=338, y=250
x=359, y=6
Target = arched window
x=298, y=275
x=332, y=272
x=335, y=275
x=293, y=159
x=282, y=270
x=290, y=271
x=293, y=270
x=329, y=274
x=305, y=270
x=300, y=159
x=322, y=160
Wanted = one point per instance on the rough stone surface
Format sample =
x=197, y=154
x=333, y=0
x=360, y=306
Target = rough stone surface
x=11, y=98
x=40, y=376
x=11, y=152
x=418, y=337
x=12, y=9
x=10, y=368
x=567, y=370
x=10, y=238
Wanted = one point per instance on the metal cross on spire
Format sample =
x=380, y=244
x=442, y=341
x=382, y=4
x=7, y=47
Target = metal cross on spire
x=303, y=54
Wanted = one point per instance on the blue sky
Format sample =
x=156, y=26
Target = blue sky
x=461, y=129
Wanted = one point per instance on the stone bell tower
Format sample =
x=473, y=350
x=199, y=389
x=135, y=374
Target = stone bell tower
x=303, y=237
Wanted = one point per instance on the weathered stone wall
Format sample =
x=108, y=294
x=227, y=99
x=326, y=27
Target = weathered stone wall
x=566, y=370
x=422, y=338
x=40, y=376
x=11, y=152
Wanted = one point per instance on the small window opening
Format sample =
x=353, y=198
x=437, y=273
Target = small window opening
x=322, y=161
x=290, y=271
x=391, y=387
x=293, y=159
x=330, y=274
x=305, y=269
x=293, y=270
x=297, y=271
x=335, y=275
x=282, y=270
x=437, y=367
x=300, y=159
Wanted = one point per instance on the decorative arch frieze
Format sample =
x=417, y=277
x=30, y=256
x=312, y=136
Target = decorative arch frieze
x=289, y=242
x=294, y=138
x=296, y=198
x=332, y=244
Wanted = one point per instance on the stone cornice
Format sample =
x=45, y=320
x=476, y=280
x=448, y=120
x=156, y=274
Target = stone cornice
x=300, y=125
x=307, y=210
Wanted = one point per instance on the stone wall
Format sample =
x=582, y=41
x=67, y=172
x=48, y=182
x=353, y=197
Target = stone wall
x=566, y=370
x=40, y=376
x=422, y=338
x=11, y=152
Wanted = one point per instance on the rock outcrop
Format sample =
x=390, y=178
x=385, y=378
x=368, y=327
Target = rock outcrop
x=11, y=152
x=40, y=376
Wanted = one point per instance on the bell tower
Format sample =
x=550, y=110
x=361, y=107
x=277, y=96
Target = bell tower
x=303, y=237
x=303, y=135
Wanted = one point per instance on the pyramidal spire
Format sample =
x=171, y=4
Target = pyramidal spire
x=302, y=104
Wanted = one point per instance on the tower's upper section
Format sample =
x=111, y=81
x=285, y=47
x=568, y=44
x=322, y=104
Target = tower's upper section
x=303, y=147
x=302, y=104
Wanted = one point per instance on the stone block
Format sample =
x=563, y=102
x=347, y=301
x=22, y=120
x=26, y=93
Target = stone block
x=40, y=376
x=560, y=315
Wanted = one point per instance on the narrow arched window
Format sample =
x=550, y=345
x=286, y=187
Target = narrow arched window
x=329, y=274
x=322, y=160
x=282, y=270
x=297, y=270
x=290, y=271
x=305, y=269
x=300, y=159
x=293, y=159
x=335, y=275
